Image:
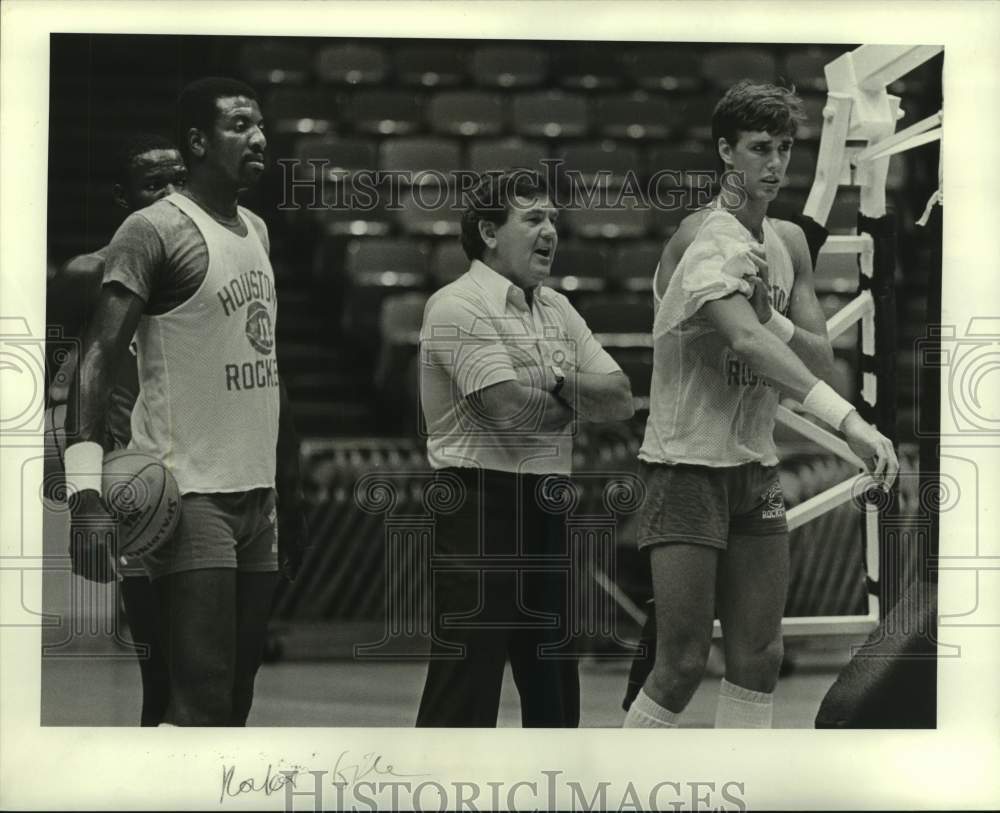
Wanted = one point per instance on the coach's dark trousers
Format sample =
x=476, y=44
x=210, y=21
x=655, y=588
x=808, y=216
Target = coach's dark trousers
x=496, y=607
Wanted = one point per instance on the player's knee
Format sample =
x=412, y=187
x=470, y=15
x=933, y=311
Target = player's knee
x=770, y=655
x=761, y=662
x=680, y=667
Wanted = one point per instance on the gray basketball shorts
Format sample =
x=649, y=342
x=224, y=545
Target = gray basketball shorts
x=705, y=505
x=237, y=531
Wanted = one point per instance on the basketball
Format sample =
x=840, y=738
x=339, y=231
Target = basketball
x=142, y=495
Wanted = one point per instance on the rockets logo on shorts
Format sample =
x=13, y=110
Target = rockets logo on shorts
x=259, y=331
x=774, y=502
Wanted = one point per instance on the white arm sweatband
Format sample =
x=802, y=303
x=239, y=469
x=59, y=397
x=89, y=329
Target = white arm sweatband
x=84, y=462
x=781, y=326
x=826, y=405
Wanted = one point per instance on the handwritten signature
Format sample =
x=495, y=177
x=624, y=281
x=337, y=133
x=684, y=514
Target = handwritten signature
x=347, y=770
x=271, y=782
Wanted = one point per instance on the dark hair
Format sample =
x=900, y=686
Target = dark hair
x=130, y=146
x=491, y=201
x=756, y=106
x=196, y=105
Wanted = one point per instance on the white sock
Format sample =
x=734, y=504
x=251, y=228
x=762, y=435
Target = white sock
x=743, y=708
x=647, y=713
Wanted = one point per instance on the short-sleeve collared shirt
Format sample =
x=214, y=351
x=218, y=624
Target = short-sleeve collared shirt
x=480, y=331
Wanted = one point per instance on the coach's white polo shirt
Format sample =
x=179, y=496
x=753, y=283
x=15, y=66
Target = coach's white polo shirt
x=479, y=331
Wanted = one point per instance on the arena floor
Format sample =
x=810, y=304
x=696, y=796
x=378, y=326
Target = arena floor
x=308, y=689
x=350, y=693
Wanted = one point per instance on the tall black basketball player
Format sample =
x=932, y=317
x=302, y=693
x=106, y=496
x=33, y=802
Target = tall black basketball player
x=190, y=278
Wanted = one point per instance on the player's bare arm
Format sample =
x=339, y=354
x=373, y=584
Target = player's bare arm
x=74, y=291
x=810, y=341
x=769, y=357
x=735, y=319
x=106, y=339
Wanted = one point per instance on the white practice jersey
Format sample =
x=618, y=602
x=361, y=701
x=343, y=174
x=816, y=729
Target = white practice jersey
x=209, y=393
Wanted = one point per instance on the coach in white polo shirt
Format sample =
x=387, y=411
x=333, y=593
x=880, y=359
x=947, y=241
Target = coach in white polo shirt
x=507, y=369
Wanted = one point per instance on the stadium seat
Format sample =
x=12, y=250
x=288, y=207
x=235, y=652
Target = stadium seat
x=685, y=164
x=275, y=62
x=664, y=67
x=509, y=66
x=804, y=67
x=636, y=115
x=633, y=263
x=376, y=269
x=361, y=316
x=341, y=157
x=325, y=163
x=448, y=262
x=609, y=222
x=385, y=112
x=507, y=153
x=724, y=67
x=340, y=220
x=430, y=66
x=401, y=317
x=622, y=320
x=352, y=64
x=424, y=159
x=670, y=208
x=387, y=262
x=588, y=66
x=396, y=375
x=467, y=113
x=692, y=115
x=608, y=161
x=550, y=113
x=301, y=110
x=430, y=211
x=579, y=266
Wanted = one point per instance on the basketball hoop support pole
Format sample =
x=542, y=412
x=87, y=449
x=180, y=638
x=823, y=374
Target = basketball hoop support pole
x=883, y=412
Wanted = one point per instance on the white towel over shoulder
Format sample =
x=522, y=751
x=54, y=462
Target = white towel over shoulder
x=715, y=265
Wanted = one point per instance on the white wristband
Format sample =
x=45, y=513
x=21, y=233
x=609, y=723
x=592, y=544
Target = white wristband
x=826, y=405
x=781, y=326
x=84, y=462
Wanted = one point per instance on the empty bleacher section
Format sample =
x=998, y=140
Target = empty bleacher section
x=366, y=493
x=353, y=274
